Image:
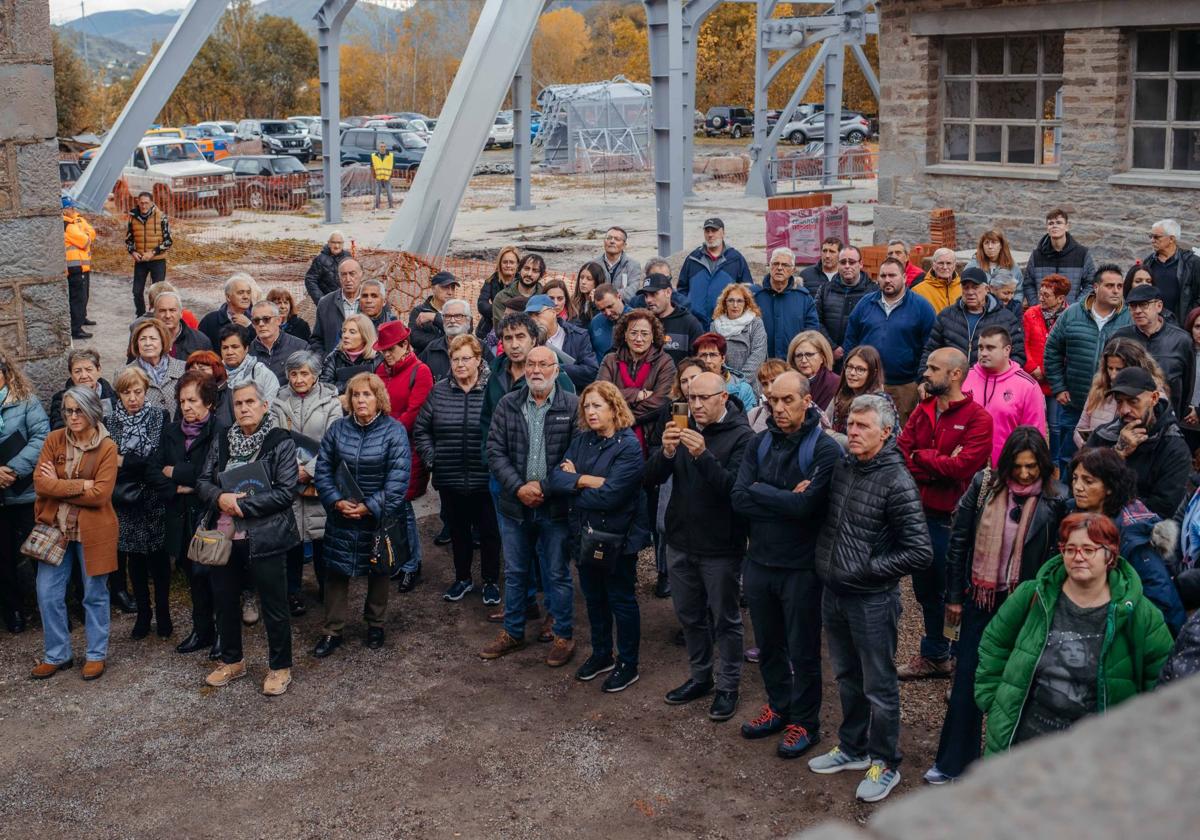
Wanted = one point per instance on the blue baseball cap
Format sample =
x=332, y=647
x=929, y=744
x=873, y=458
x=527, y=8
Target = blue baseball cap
x=537, y=303
x=67, y=201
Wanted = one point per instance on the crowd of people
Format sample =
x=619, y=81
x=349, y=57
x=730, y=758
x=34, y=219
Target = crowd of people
x=1018, y=441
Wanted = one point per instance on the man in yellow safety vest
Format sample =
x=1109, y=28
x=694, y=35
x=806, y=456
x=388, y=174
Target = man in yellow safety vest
x=382, y=165
x=78, y=236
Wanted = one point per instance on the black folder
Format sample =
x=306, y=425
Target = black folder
x=347, y=486
x=10, y=448
x=248, y=478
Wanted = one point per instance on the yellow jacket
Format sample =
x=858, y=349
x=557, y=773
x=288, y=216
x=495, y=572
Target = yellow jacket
x=78, y=236
x=939, y=293
x=382, y=166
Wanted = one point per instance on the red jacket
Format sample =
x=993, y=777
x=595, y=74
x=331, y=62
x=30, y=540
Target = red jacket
x=927, y=445
x=1036, y=332
x=408, y=385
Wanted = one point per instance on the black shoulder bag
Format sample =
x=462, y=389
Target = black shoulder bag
x=599, y=549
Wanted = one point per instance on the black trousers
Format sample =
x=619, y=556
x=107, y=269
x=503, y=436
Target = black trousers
x=785, y=609
x=143, y=568
x=16, y=521
x=118, y=581
x=461, y=511
x=269, y=575
x=295, y=567
x=962, y=731
x=156, y=270
x=77, y=292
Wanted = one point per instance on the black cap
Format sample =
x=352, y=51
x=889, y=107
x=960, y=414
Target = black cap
x=656, y=282
x=714, y=223
x=1143, y=293
x=1132, y=381
x=974, y=275
x=443, y=278
x=516, y=304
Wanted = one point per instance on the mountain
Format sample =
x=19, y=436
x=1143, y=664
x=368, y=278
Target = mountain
x=133, y=28
x=117, y=58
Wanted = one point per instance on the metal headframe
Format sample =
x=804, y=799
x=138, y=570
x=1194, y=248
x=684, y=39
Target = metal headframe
x=329, y=40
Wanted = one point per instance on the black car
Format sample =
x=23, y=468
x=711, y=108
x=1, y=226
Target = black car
x=269, y=181
x=724, y=119
x=69, y=172
x=358, y=144
x=278, y=137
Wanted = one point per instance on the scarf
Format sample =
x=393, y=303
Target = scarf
x=191, y=432
x=353, y=356
x=726, y=326
x=3, y=400
x=67, y=517
x=1051, y=317
x=996, y=566
x=243, y=373
x=636, y=382
x=136, y=434
x=158, y=372
x=244, y=448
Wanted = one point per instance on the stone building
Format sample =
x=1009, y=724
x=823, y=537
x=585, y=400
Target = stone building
x=33, y=291
x=1003, y=109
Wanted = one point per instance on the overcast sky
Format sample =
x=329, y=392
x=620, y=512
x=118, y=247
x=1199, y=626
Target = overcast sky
x=64, y=10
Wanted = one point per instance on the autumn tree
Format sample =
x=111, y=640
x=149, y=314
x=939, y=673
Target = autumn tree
x=72, y=88
x=561, y=48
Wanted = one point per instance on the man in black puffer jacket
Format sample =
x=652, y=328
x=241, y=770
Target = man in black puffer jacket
x=705, y=539
x=322, y=275
x=837, y=298
x=782, y=489
x=959, y=324
x=874, y=535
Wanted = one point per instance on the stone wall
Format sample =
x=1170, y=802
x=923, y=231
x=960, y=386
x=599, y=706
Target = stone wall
x=1113, y=220
x=34, y=324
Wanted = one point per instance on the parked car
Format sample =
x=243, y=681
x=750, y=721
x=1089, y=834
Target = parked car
x=278, y=137
x=177, y=175
x=855, y=128
x=224, y=126
x=278, y=182
x=501, y=134
x=69, y=172
x=358, y=144
x=202, y=134
x=312, y=124
x=724, y=119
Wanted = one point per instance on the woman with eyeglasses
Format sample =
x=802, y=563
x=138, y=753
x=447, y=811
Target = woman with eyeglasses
x=505, y=273
x=810, y=354
x=711, y=350
x=1102, y=483
x=862, y=373
x=1005, y=528
x=448, y=436
x=1078, y=639
x=640, y=368
x=738, y=320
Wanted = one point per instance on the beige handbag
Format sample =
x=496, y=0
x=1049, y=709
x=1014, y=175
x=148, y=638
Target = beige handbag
x=209, y=547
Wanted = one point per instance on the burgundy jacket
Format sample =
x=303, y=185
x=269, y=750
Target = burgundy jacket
x=927, y=445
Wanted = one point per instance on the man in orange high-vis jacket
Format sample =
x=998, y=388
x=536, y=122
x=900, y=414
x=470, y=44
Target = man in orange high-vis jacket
x=78, y=236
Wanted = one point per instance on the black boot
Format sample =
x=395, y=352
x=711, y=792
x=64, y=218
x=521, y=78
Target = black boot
x=141, y=627
x=124, y=602
x=192, y=643
x=214, y=653
x=14, y=621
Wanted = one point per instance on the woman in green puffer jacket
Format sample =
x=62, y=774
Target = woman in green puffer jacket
x=1077, y=639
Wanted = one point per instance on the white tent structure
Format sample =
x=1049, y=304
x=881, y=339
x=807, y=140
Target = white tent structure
x=595, y=127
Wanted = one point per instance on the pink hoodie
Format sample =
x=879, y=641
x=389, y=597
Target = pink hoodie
x=1012, y=397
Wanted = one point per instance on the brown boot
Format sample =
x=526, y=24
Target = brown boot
x=277, y=682
x=920, y=668
x=560, y=652
x=93, y=669
x=46, y=670
x=547, y=631
x=501, y=645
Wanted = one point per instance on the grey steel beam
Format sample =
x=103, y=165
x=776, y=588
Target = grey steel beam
x=498, y=43
x=171, y=61
x=694, y=14
x=329, y=20
x=835, y=63
x=522, y=93
x=762, y=65
x=664, y=25
x=867, y=69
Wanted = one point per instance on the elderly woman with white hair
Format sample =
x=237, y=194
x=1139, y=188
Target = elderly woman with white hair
x=73, y=482
x=307, y=408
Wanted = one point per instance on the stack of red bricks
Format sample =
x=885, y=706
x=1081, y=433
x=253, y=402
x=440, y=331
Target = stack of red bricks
x=943, y=232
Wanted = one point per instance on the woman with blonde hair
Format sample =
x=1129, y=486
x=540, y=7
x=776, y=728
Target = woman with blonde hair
x=150, y=349
x=506, y=272
x=738, y=320
x=23, y=429
x=601, y=475
x=810, y=355
x=354, y=354
x=1100, y=408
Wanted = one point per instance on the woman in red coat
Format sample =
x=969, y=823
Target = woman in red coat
x=408, y=381
x=1038, y=321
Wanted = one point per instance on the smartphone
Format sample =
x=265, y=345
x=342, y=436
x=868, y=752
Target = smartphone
x=679, y=414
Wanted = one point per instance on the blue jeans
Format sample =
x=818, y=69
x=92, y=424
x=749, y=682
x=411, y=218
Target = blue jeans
x=536, y=540
x=1055, y=437
x=861, y=631
x=52, y=601
x=535, y=578
x=414, y=541
x=929, y=587
x=611, y=596
x=1068, y=419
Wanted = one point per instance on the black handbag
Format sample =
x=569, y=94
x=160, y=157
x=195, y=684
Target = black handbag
x=389, y=550
x=130, y=494
x=600, y=549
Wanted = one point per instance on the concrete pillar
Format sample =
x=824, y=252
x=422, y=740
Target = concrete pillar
x=34, y=324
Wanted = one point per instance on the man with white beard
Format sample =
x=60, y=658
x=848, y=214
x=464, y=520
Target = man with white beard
x=456, y=318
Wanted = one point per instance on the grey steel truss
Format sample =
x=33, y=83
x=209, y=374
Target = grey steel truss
x=172, y=60
x=329, y=39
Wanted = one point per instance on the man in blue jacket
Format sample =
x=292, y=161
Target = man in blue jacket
x=709, y=269
x=608, y=300
x=897, y=324
x=782, y=489
x=787, y=307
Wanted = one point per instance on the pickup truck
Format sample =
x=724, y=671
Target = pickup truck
x=176, y=174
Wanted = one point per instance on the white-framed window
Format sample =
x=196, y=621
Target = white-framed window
x=1001, y=99
x=1165, y=116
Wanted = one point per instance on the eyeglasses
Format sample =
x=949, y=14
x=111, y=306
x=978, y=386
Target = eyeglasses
x=800, y=354
x=1088, y=552
x=466, y=360
x=262, y=319
x=73, y=412
x=446, y=317
x=540, y=365
x=639, y=334
x=847, y=262
x=614, y=239
x=710, y=355
x=702, y=397
x=857, y=369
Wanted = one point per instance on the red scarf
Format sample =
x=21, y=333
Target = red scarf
x=637, y=382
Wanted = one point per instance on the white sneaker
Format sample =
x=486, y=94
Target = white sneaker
x=878, y=782
x=835, y=761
